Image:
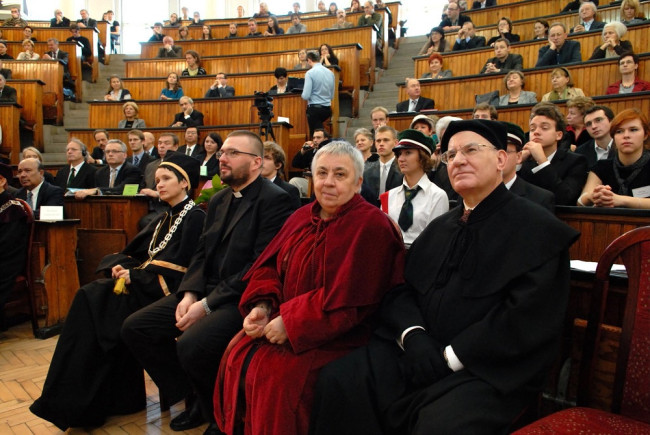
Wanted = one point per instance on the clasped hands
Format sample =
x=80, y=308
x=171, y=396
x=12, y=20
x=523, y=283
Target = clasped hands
x=257, y=325
x=423, y=362
x=118, y=272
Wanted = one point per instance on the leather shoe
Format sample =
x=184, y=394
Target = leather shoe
x=213, y=429
x=187, y=419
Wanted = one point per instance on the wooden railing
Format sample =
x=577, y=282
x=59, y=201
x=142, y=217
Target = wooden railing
x=50, y=72
x=515, y=11
x=10, y=123
x=30, y=96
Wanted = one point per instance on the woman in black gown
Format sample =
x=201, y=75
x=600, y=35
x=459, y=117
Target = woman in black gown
x=92, y=374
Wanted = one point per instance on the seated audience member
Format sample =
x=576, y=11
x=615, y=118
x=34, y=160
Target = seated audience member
x=540, y=29
x=382, y=175
x=273, y=28
x=454, y=20
x=363, y=141
x=220, y=88
x=518, y=185
x=91, y=362
x=167, y=145
x=6, y=72
x=331, y=10
x=169, y=49
x=252, y=29
x=612, y=45
x=86, y=47
x=549, y=167
x=196, y=19
x=424, y=124
x=97, y=156
x=264, y=11
x=150, y=145
x=208, y=155
x=59, y=20
x=435, y=68
x=85, y=21
x=28, y=51
x=157, y=33
x=295, y=8
x=3, y=51
x=327, y=56
x=341, y=21
x=184, y=33
x=192, y=147
x=514, y=83
x=16, y=20
x=436, y=42
x=131, y=120
x=628, y=64
x=482, y=4
x=281, y=85
x=304, y=157
x=240, y=11
x=631, y=12
x=503, y=60
x=559, y=50
x=599, y=147
x=188, y=117
x=485, y=110
x=77, y=174
x=7, y=93
x=576, y=131
x=587, y=15
x=418, y=201
x=28, y=33
x=53, y=53
x=35, y=190
x=574, y=5
x=431, y=365
x=273, y=165
x=302, y=60
x=185, y=13
x=378, y=117
x=370, y=17
x=504, y=27
x=139, y=157
x=355, y=6
x=563, y=86
x=206, y=32
x=173, y=20
x=624, y=180
x=194, y=67
x=114, y=29
x=440, y=175
x=232, y=31
x=111, y=178
x=296, y=25
x=33, y=153
x=116, y=91
x=467, y=38
x=415, y=103
x=173, y=89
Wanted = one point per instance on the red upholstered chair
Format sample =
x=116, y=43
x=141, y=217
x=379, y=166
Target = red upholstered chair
x=630, y=410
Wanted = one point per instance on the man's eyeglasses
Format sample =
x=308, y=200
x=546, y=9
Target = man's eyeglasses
x=233, y=153
x=469, y=150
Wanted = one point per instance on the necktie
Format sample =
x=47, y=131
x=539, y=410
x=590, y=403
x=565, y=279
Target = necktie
x=406, y=214
x=71, y=177
x=465, y=215
x=111, y=183
x=136, y=159
x=412, y=105
x=30, y=202
x=382, y=178
x=188, y=151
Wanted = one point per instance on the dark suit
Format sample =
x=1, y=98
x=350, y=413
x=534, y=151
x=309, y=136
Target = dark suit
x=8, y=94
x=292, y=190
x=596, y=25
x=86, y=48
x=569, y=53
x=536, y=194
x=98, y=154
x=145, y=158
x=84, y=179
x=47, y=195
x=422, y=104
x=488, y=3
x=512, y=62
x=196, y=152
x=212, y=165
x=6, y=73
x=90, y=22
x=464, y=44
x=228, y=91
x=128, y=174
x=371, y=178
x=65, y=22
x=565, y=176
x=62, y=57
x=195, y=119
x=587, y=149
x=461, y=20
x=176, y=51
x=236, y=232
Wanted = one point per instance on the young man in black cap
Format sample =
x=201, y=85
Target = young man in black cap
x=463, y=347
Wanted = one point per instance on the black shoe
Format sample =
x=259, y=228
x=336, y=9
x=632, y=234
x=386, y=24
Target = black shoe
x=213, y=429
x=188, y=419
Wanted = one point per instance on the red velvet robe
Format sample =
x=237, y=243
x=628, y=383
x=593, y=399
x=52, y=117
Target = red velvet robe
x=325, y=278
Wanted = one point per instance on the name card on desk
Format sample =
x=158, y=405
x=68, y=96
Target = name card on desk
x=130, y=190
x=51, y=213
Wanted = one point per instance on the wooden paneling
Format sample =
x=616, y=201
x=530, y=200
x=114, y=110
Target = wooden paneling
x=592, y=77
x=48, y=71
x=470, y=62
x=515, y=11
x=364, y=36
x=30, y=96
x=10, y=123
x=104, y=36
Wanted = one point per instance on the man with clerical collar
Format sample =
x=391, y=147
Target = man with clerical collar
x=78, y=174
x=597, y=120
x=35, y=190
x=178, y=339
x=449, y=355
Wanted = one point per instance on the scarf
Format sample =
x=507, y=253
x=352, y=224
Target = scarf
x=635, y=168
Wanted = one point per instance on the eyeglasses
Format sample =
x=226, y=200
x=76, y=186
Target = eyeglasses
x=113, y=151
x=469, y=150
x=233, y=153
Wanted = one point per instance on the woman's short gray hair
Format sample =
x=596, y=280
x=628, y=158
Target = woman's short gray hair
x=341, y=148
x=619, y=28
x=443, y=123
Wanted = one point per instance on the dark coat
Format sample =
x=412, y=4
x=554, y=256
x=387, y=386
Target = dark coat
x=195, y=119
x=228, y=91
x=86, y=48
x=65, y=22
x=98, y=154
x=14, y=237
x=371, y=175
x=512, y=62
x=8, y=94
x=423, y=104
x=461, y=20
x=212, y=165
x=128, y=174
x=569, y=53
x=488, y=3
x=47, y=195
x=536, y=194
x=509, y=36
x=464, y=44
x=84, y=179
x=143, y=162
x=176, y=52
x=6, y=73
x=623, y=46
x=565, y=176
x=196, y=152
x=292, y=190
x=90, y=22
x=587, y=149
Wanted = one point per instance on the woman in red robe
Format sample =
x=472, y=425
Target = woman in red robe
x=309, y=300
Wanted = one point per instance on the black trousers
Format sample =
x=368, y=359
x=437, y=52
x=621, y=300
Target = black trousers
x=181, y=361
x=316, y=115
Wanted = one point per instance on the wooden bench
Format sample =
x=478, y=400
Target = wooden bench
x=50, y=72
x=348, y=61
x=61, y=34
x=520, y=114
x=10, y=123
x=515, y=11
x=470, y=62
x=457, y=93
x=30, y=97
x=364, y=36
